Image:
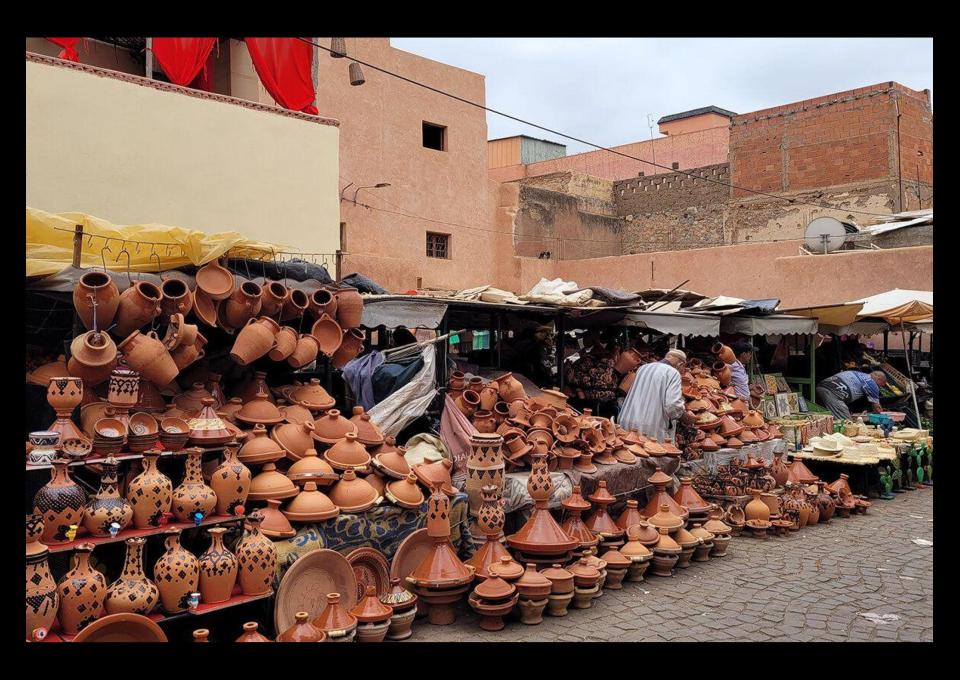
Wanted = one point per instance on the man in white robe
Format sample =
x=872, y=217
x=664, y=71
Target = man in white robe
x=655, y=400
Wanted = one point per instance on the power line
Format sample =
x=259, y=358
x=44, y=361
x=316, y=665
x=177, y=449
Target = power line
x=791, y=201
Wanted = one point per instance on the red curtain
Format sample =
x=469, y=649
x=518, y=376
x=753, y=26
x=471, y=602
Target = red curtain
x=182, y=58
x=284, y=66
x=68, y=44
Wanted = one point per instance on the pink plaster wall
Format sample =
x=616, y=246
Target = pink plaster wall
x=693, y=124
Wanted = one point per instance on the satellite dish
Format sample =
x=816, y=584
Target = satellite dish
x=824, y=235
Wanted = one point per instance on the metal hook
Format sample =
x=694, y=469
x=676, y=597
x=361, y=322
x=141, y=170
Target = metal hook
x=137, y=244
x=103, y=259
x=126, y=252
x=159, y=269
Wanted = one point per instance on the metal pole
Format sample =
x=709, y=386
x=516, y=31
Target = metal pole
x=561, y=328
x=148, y=55
x=913, y=392
x=77, y=251
x=499, y=340
x=813, y=368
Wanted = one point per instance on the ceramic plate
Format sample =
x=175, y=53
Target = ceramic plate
x=371, y=569
x=122, y=628
x=305, y=586
x=410, y=554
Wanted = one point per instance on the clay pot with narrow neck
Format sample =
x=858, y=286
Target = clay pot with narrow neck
x=756, y=509
x=305, y=352
x=93, y=356
x=42, y=597
x=294, y=305
x=723, y=353
x=243, y=304
x=231, y=482
x=176, y=298
x=257, y=557
x=108, y=506
x=255, y=340
x=176, y=573
x=350, y=346
x=273, y=297
x=322, y=302
x=83, y=593
x=146, y=354
x=485, y=466
x=100, y=287
x=193, y=495
x=349, y=307
x=60, y=503
x=286, y=344
x=133, y=592
x=150, y=493
x=139, y=305
x=218, y=569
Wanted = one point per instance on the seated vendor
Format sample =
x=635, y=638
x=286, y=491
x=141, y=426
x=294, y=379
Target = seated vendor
x=738, y=373
x=839, y=391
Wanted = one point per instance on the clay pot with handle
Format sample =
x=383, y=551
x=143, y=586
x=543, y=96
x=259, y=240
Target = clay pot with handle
x=176, y=297
x=722, y=372
x=273, y=297
x=305, y=352
x=323, y=302
x=139, y=305
x=349, y=307
x=146, y=354
x=294, y=305
x=255, y=340
x=286, y=343
x=93, y=356
x=185, y=354
x=100, y=287
x=350, y=347
x=243, y=304
x=723, y=353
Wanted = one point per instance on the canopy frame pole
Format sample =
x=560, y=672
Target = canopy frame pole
x=560, y=327
x=913, y=392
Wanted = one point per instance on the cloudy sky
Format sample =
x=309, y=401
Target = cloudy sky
x=602, y=89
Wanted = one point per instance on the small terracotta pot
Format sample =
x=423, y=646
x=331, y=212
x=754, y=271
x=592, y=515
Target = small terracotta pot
x=350, y=346
x=184, y=355
x=328, y=333
x=243, y=304
x=305, y=352
x=349, y=307
x=274, y=295
x=286, y=343
x=294, y=305
x=488, y=397
x=255, y=340
x=456, y=381
x=146, y=354
x=101, y=287
x=139, y=304
x=323, y=302
x=722, y=372
x=468, y=403
x=176, y=298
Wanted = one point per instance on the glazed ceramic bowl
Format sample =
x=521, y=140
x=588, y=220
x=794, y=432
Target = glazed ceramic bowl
x=142, y=425
x=109, y=429
x=174, y=426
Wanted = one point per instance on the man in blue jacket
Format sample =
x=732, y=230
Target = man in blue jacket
x=839, y=391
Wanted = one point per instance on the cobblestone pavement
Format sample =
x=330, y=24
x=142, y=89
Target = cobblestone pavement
x=812, y=585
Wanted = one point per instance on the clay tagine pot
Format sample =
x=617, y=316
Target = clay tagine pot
x=368, y=433
x=294, y=439
x=541, y=535
x=270, y=483
x=332, y=427
x=259, y=410
x=638, y=554
x=311, y=505
x=389, y=460
x=347, y=454
x=493, y=599
x=373, y=617
x=353, y=494
x=302, y=631
x=312, y=468
x=260, y=448
x=600, y=522
x=405, y=492
x=575, y=505
x=403, y=603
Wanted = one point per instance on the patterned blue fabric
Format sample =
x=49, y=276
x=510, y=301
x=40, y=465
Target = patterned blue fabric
x=860, y=384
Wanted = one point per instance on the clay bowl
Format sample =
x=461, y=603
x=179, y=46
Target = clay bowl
x=173, y=427
x=108, y=430
x=143, y=425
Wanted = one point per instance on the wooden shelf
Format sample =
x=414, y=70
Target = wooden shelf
x=126, y=456
x=133, y=533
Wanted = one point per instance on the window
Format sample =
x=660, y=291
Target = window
x=438, y=245
x=434, y=136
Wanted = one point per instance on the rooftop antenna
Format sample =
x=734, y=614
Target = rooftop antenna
x=653, y=150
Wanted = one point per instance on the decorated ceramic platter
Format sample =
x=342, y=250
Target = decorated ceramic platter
x=305, y=586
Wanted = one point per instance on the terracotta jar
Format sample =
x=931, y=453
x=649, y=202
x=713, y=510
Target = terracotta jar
x=255, y=340
x=484, y=466
x=826, y=502
x=216, y=281
x=201, y=635
x=302, y=630
x=218, y=569
x=294, y=305
x=350, y=346
x=468, y=402
x=756, y=509
x=138, y=305
x=242, y=305
x=257, y=557
x=349, y=307
x=193, y=495
x=779, y=470
x=286, y=343
x=100, y=287
x=176, y=573
x=83, y=593
x=133, y=592
x=42, y=597
x=510, y=388
x=150, y=493
x=723, y=353
x=108, y=506
x=250, y=634
x=230, y=482
x=274, y=295
x=305, y=352
x=175, y=298
x=93, y=356
x=322, y=303
x=188, y=353
x=60, y=503
x=485, y=422
x=147, y=355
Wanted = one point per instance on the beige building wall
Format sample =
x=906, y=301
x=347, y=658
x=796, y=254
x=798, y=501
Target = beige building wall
x=132, y=151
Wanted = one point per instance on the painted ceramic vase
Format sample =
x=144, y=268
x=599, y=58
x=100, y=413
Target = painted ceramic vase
x=484, y=466
x=150, y=493
x=60, y=502
x=193, y=495
x=177, y=574
x=133, y=592
x=218, y=569
x=83, y=593
x=231, y=482
x=108, y=506
x=257, y=557
x=42, y=598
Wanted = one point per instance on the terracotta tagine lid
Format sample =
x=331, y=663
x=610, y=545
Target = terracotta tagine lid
x=748, y=437
x=634, y=549
x=753, y=419
x=716, y=527
x=312, y=396
x=377, y=481
x=432, y=474
x=541, y=535
x=311, y=505
x=270, y=484
x=208, y=429
x=561, y=579
x=296, y=414
x=335, y=620
x=801, y=473
x=312, y=468
x=685, y=539
x=616, y=559
x=654, y=448
x=532, y=584
x=332, y=427
x=389, y=445
x=575, y=501
x=250, y=634
x=353, y=494
x=260, y=448
x=630, y=516
x=665, y=544
x=397, y=597
x=347, y=454
x=701, y=533
x=734, y=443
x=368, y=433
x=370, y=609
x=191, y=401
x=584, y=574
x=707, y=444
x=687, y=496
x=302, y=631
x=391, y=461
x=664, y=519
x=506, y=569
x=259, y=410
x=601, y=496
x=495, y=588
x=405, y=492
x=275, y=524
x=295, y=440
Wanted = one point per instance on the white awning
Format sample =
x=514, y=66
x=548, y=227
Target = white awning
x=775, y=324
x=675, y=323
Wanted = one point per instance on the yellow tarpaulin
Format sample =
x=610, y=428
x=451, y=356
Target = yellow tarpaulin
x=50, y=250
x=830, y=315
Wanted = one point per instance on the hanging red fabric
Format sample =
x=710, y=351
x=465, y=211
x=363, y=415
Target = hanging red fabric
x=284, y=66
x=68, y=44
x=182, y=58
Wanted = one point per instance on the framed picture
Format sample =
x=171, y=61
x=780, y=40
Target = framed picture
x=794, y=401
x=782, y=385
x=769, y=408
x=771, y=381
x=802, y=404
x=783, y=405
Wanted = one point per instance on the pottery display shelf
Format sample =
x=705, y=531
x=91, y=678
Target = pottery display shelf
x=90, y=460
x=237, y=598
x=82, y=537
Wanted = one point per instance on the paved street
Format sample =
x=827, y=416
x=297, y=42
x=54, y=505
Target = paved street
x=813, y=585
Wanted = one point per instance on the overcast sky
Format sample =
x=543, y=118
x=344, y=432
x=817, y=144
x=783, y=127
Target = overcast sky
x=602, y=89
